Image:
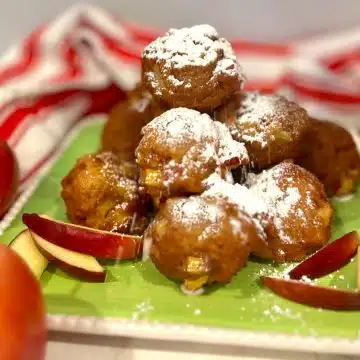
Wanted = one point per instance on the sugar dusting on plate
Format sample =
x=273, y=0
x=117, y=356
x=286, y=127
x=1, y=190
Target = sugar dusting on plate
x=196, y=292
x=344, y=198
x=142, y=309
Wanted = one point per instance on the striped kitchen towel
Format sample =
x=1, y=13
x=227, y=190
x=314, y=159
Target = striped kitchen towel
x=82, y=62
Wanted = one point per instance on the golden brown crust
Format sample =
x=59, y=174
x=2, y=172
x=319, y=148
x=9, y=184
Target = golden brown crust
x=271, y=127
x=191, y=67
x=122, y=130
x=180, y=149
x=329, y=152
x=299, y=212
x=247, y=202
x=101, y=192
x=200, y=228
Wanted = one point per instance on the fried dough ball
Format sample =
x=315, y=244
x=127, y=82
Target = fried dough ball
x=271, y=126
x=299, y=214
x=199, y=241
x=191, y=67
x=101, y=192
x=180, y=149
x=330, y=153
x=247, y=202
x=122, y=130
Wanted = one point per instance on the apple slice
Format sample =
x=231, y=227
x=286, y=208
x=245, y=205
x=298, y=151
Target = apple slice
x=313, y=295
x=328, y=259
x=77, y=264
x=24, y=246
x=101, y=244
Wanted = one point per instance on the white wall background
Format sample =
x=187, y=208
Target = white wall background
x=264, y=20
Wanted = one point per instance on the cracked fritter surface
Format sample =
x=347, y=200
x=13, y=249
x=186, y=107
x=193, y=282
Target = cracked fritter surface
x=180, y=149
x=101, y=192
x=191, y=228
x=298, y=217
x=191, y=67
x=270, y=126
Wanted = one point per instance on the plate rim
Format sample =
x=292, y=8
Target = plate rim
x=153, y=330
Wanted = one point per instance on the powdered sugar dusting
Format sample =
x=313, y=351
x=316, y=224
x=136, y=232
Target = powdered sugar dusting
x=141, y=104
x=142, y=309
x=229, y=149
x=216, y=178
x=175, y=81
x=207, y=214
x=183, y=47
x=195, y=210
x=113, y=172
x=155, y=84
x=279, y=202
x=195, y=46
x=344, y=198
x=196, y=292
x=186, y=128
x=176, y=126
x=245, y=199
x=258, y=111
x=236, y=226
x=229, y=64
x=147, y=244
x=309, y=201
x=255, y=107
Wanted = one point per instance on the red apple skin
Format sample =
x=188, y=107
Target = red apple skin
x=328, y=259
x=9, y=179
x=313, y=295
x=97, y=243
x=23, y=332
x=72, y=270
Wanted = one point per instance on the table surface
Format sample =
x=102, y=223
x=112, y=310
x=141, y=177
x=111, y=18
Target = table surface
x=85, y=347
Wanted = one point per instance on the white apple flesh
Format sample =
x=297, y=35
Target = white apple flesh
x=77, y=264
x=24, y=246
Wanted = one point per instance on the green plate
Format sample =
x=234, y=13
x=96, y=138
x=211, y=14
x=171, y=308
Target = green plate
x=137, y=291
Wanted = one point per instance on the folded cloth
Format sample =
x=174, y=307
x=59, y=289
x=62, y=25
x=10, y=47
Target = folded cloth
x=84, y=61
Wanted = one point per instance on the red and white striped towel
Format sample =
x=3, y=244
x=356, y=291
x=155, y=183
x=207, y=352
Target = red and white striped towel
x=82, y=63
